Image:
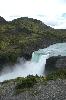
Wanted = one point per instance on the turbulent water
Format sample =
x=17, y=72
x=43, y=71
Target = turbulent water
x=36, y=65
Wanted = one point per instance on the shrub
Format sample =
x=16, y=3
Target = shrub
x=60, y=73
x=27, y=82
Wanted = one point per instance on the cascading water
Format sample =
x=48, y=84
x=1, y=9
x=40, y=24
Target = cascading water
x=23, y=69
x=40, y=60
x=36, y=65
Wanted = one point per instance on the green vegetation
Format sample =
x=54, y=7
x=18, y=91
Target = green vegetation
x=17, y=37
x=25, y=83
x=28, y=82
x=60, y=73
x=22, y=36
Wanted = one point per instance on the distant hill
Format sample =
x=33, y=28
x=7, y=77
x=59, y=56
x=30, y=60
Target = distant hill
x=2, y=20
x=21, y=36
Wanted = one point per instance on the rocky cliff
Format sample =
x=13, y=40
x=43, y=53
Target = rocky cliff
x=55, y=63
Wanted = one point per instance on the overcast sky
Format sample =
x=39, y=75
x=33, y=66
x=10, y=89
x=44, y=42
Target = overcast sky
x=51, y=12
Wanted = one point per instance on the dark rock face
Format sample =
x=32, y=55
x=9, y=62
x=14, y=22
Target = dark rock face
x=61, y=62
x=53, y=63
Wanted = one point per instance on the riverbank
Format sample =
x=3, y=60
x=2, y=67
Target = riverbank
x=52, y=87
x=54, y=90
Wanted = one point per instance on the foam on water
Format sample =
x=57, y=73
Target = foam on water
x=36, y=65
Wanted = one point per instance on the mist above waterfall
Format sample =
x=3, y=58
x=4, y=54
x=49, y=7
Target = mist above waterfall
x=23, y=68
x=35, y=66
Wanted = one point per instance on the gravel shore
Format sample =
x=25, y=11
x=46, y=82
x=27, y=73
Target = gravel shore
x=52, y=90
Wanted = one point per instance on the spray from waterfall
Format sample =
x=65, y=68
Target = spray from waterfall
x=24, y=68
x=36, y=65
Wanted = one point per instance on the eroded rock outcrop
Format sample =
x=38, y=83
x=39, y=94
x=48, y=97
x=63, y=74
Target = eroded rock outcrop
x=55, y=63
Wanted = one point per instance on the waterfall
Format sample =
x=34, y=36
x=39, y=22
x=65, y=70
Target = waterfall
x=36, y=65
x=40, y=60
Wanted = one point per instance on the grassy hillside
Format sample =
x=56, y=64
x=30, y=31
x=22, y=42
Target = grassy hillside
x=22, y=36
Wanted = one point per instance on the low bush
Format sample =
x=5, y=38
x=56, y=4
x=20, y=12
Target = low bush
x=27, y=82
x=60, y=73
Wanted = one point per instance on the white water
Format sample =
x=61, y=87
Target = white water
x=36, y=65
